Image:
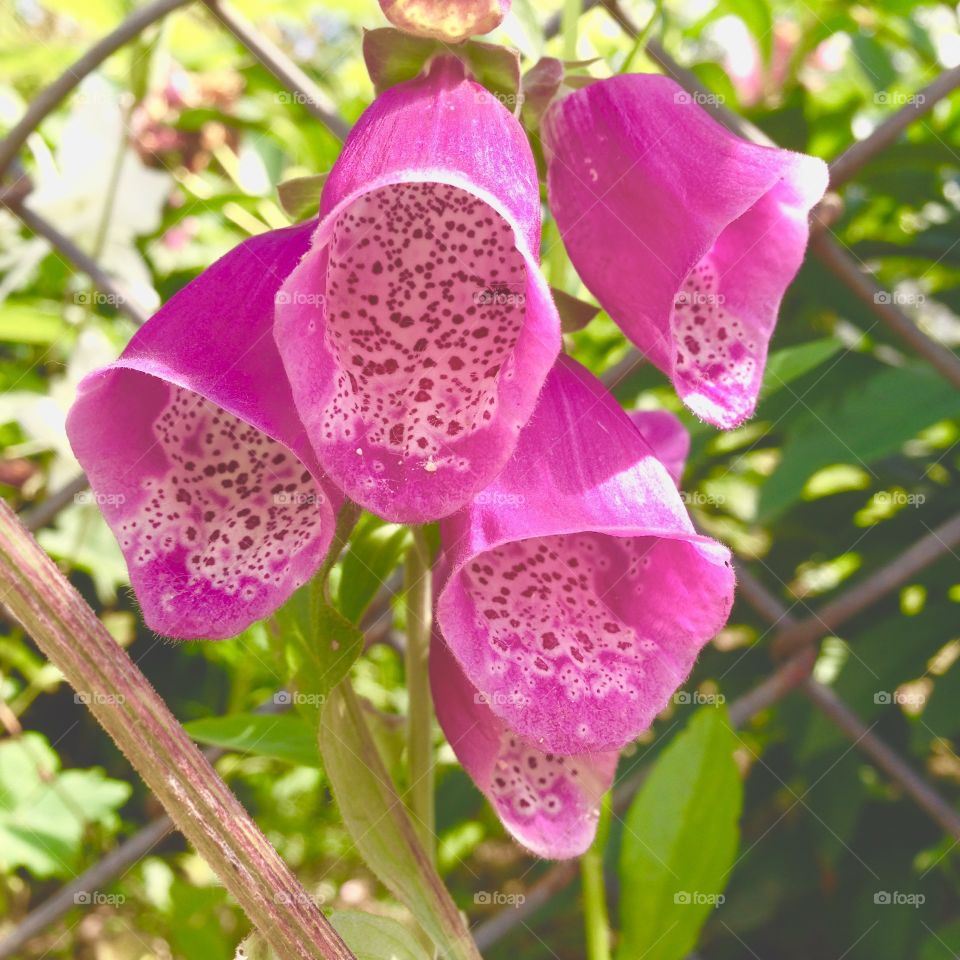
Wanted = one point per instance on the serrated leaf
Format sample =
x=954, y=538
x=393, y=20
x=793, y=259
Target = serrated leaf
x=378, y=821
x=44, y=812
x=288, y=738
x=871, y=420
x=300, y=196
x=679, y=841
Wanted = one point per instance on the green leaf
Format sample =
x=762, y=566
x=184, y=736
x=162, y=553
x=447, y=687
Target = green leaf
x=320, y=647
x=300, y=196
x=375, y=551
x=288, y=738
x=380, y=826
x=392, y=56
x=791, y=363
x=575, y=314
x=372, y=937
x=44, y=813
x=37, y=322
x=679, y=841
x=494, y=67
x=871, y=420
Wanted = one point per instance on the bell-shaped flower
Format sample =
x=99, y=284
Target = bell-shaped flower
x=686, y=234
x=574, y=591
x=197, y=458
x=449, y=21
x=667, y=437
x=418, y=331
x=549, y=803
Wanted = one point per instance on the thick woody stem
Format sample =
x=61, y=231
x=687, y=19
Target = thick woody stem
x=129, y=709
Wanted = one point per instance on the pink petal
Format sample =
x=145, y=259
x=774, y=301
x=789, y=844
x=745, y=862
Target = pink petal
x=549, y=803
x=575, y=592
x=447, y=20
x=686, y=234
x=418, y=331
x=667, y=436
x=196, y=455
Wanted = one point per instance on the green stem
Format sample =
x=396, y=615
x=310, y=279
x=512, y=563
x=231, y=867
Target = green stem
x=320, y=588
x=420, y=712
x=640, y=41
x=569, y=25
x=595, y=914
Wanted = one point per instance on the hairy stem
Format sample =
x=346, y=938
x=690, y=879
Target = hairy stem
x=595, y=914
x=420, y=713
x=129, y=709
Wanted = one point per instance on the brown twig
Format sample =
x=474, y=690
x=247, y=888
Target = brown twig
x=857, y=598
x=282, y=67
x=856, y=157
x=50, y=97
x=865, y=740
x=866, y=289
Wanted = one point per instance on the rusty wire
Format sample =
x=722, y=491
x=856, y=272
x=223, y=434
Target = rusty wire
x=795, y=640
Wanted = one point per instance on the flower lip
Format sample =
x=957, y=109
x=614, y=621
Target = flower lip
x=580, y=545
x=549, y=803
x=206, y=476
x=715, y=227
x=417, y=331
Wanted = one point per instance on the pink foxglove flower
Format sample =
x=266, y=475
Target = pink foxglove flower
x=196, y=455
x=667, y=436
x=686, y=234
x=549, y=803
x=418, y=331
x=574, y=591
x=447, y=20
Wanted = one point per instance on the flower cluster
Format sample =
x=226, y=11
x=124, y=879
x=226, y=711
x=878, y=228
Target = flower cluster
x=403, y=351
